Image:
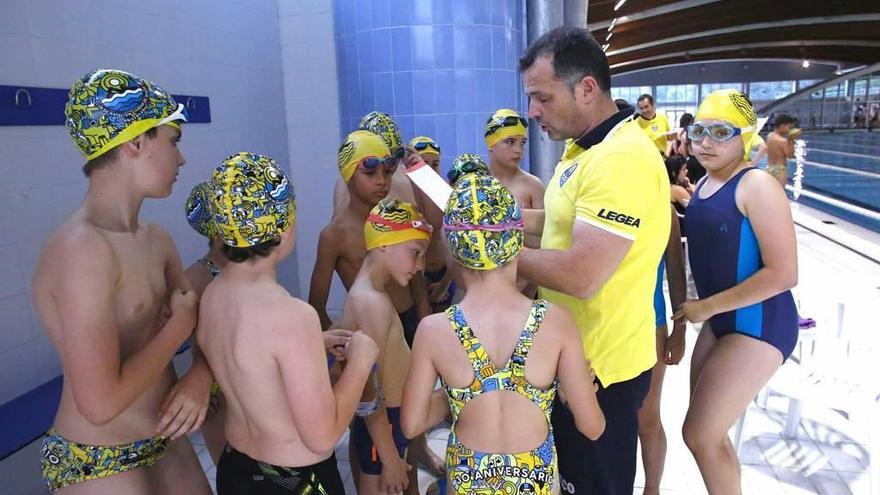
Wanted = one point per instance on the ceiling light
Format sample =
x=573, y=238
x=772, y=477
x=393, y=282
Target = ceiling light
x=613, y=23
x=605, y=47
x=805, y=64
x=619, y=5
x=609, y=36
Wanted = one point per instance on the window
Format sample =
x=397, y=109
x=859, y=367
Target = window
x=860, y=88
x=837, y=91
x=874, y=87
x=677, y=93
x=770, y=90
x=630, y=93
x=804, y=83
x=705, y=89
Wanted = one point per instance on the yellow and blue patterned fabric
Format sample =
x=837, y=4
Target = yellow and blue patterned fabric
x=473, y=472
x=65, y=463
x=394, y=222
x=734, y=107
x=198, y=209
x=503, y=124
x=466, y=163
x=253, y=201
x=482, y=223
x=384, y=126
x=357, y=146
x=108, y=107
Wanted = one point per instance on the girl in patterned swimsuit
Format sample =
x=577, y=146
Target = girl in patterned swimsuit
x=499, y=442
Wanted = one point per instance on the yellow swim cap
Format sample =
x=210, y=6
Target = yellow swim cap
x=253, y=201
x=483, y=223
x=384, y=126
x=393, y=222
x=734, y=107
x=503, y=124
x=198, y=209
x=425, y=145
x=107, y=107
x=357, y=146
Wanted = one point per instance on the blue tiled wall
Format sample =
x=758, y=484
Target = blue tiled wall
x=439, y=67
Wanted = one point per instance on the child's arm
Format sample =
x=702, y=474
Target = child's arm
x=675, y=274
x=764, y=203
x=423, y=407
x=321, y=413
x=322, y=275
x=373, y=313
x=575, y=382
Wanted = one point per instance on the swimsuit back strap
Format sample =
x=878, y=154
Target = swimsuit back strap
x=476, y=354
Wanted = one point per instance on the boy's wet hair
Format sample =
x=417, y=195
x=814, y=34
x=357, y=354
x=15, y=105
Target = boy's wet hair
x=242, y=254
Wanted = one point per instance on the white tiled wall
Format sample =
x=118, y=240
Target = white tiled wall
x=229, y=51
x=308, y=57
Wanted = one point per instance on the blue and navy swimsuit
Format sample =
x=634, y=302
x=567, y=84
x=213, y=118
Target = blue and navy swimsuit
x=723, y=252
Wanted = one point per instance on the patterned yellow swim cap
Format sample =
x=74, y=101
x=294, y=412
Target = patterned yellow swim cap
x=253, y=201
x=393, y=222
x=107, y=107
x=466, y=163
x=730, y=106
x=503, y=124
x=483, y=223
x=198, y=210
x=357, y=146
x=384, y=126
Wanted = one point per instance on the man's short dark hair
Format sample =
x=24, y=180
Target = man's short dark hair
x=644, y=97
x=575, y=54
x=620, y=102
x=110, y=156
x=240, y=255
x=784, y=118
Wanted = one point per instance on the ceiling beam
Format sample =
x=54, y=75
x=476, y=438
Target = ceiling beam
x=647, y=13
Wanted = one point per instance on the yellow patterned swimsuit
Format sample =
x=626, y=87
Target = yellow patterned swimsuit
x=477, y=473
x=65, y=462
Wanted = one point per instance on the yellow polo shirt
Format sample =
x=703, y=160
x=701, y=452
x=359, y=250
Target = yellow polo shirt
x=617, y=182
x=656, y=129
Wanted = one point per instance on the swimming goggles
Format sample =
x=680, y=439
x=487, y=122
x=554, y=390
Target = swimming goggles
x=373, y=162
x=720, y=133
x=424, y=145
x=464, y=168
x=365, y=409
x=509, y=121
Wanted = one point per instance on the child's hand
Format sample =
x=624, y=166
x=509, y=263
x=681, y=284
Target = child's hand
x=361, y=349
x=394, y=478
x=694, y=311
x=185, y=406
x=335, y=341
x=675, y=343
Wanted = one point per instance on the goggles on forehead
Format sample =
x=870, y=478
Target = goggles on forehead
x=720, y=132
x=373, y=162
x=424, y=145
x=421, y=225
x=509, y=121
x=499, y=227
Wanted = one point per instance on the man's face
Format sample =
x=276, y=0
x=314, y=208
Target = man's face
x=646, y=109
x=551, y=101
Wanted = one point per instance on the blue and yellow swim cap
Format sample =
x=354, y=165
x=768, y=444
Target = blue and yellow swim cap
x=198, y=209
x=425, y=145
x=482, y=222
x=384, y=126
x=357, y=146
x=503, y=124
x=108, y=107
x=466, y=163
x=253, y=201
x=394, y=222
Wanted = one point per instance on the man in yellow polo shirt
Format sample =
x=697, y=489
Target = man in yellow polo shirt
x=605, y=227
x=654, y=124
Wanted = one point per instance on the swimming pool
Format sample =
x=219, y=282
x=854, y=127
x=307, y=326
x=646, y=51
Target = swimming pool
x=842, y=175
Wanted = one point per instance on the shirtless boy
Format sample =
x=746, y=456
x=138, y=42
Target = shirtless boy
x=780, y=147
x=283, y=418
x=104, y=287
x=396, y=237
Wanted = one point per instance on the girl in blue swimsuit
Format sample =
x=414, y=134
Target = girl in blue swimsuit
x=743, y=255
